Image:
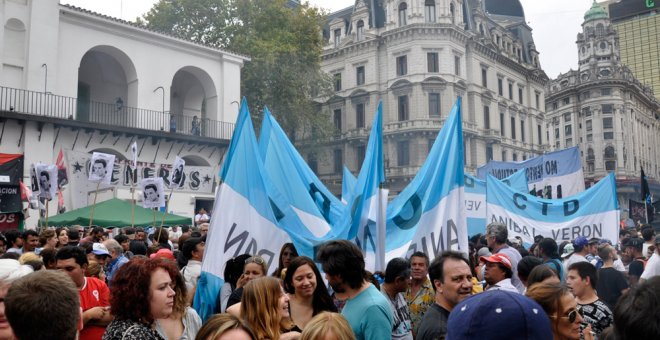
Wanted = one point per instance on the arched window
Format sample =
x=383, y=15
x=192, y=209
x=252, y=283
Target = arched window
x=452, y=13
x=610, y=159
x=609, y=152
x=360, y=30
x=590, y=154
x=403, y=8
x=429, y=10
x=481, y=29
x=600, y=30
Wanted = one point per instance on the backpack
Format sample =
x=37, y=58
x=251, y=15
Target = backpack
x=557, y=267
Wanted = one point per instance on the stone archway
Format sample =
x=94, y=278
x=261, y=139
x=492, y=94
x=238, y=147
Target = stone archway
x=193, y=94
x=107, y=87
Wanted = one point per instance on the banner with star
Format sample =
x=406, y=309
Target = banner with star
x=196, y=179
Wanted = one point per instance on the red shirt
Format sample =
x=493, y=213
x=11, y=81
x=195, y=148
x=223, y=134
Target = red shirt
x=94, y=293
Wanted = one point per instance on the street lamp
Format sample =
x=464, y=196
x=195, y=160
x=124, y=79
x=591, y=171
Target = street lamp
x=160, y=87
x=45, y=78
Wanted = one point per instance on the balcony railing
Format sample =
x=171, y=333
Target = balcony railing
x=55, y=106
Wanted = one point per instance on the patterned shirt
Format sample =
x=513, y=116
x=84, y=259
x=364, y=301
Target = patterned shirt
x=596, y=314
x=420, y=303
x=130, y=330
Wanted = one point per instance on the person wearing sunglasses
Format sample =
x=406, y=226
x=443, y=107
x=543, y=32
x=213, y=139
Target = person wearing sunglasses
x=562, y=310
x=254, y=267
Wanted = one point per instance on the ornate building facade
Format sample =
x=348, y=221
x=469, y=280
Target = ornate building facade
x=417, y=57
x=605, y=110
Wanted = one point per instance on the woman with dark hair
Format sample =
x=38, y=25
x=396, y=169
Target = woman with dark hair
x=62, y=237
x=135, y=281
x=232, y=274
x=562, y=309
x=308, y=295
x=184, y=322
x=287, y=253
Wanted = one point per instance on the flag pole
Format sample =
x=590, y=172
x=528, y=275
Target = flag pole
x=154, y=217
x=48, y=201
x=167, y=203
x=133, y=202
x=96, y=193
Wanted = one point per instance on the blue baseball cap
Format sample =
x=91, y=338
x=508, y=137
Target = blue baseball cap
x=580, y=242
x=498, y=314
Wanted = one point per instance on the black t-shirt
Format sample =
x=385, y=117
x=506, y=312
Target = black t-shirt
x=434, y=323
x=636, y=268
x=610, y=284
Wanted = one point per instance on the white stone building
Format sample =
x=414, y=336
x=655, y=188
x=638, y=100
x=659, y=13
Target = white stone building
x=606, y=111
x=417, y=56
x=80, y=81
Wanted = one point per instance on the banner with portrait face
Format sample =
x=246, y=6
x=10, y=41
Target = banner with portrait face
x=101, y=166
x=34, y=180
x=177, y=175
x=153, y=193
x=47, y=178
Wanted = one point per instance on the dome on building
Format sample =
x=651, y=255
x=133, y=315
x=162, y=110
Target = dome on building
x=596, y=12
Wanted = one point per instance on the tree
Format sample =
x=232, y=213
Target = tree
x=284, y=44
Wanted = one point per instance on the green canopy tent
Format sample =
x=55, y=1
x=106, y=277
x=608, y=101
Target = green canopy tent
x=115, y=213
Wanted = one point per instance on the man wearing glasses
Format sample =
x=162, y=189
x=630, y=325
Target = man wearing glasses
x=582, y=280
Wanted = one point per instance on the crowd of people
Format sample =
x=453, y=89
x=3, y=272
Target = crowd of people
x=135, y=283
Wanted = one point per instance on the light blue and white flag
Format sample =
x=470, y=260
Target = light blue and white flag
x=555, y=174
x=317, y=208
x=347, y=184
x=248, y=219
x=592, y=213
x=429, y=214
x=364, y=221
x=475, y=199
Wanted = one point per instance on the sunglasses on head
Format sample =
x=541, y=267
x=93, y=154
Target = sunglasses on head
x=572, y=315
x=255, y=259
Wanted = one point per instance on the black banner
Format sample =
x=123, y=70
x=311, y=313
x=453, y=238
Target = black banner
x=636, y=211
x=11, y=172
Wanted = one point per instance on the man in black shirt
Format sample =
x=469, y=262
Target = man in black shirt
x=452, y=281
x=611, y=282
x=636, y=267
x=582, y=280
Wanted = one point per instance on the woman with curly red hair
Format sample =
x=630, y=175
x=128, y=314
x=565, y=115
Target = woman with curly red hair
x=136, y=280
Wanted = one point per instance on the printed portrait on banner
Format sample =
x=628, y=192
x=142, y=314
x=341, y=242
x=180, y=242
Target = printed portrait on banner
x=177, y=176
x=34, y=179
x=153, y=195
x=47, y=179
x=100, y=168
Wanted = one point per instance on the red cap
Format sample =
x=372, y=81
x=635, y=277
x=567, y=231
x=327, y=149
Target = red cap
x=497, y=258
x=164, y=253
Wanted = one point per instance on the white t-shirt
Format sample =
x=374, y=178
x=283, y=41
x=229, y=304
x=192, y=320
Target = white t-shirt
x=575, y=258
x=201, y=217
x=652, y=267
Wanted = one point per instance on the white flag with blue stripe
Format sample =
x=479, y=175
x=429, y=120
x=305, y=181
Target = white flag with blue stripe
x=555, y=174
x=347, y=184
x=592, y=213
x=429, y=214
x=475, y=199
x=317, y=208
x=364, y=221
x=247, y=219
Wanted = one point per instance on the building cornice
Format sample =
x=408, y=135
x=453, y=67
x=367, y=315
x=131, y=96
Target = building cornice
x=118, y=27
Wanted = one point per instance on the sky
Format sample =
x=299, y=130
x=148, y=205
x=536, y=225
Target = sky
x=555, y=24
